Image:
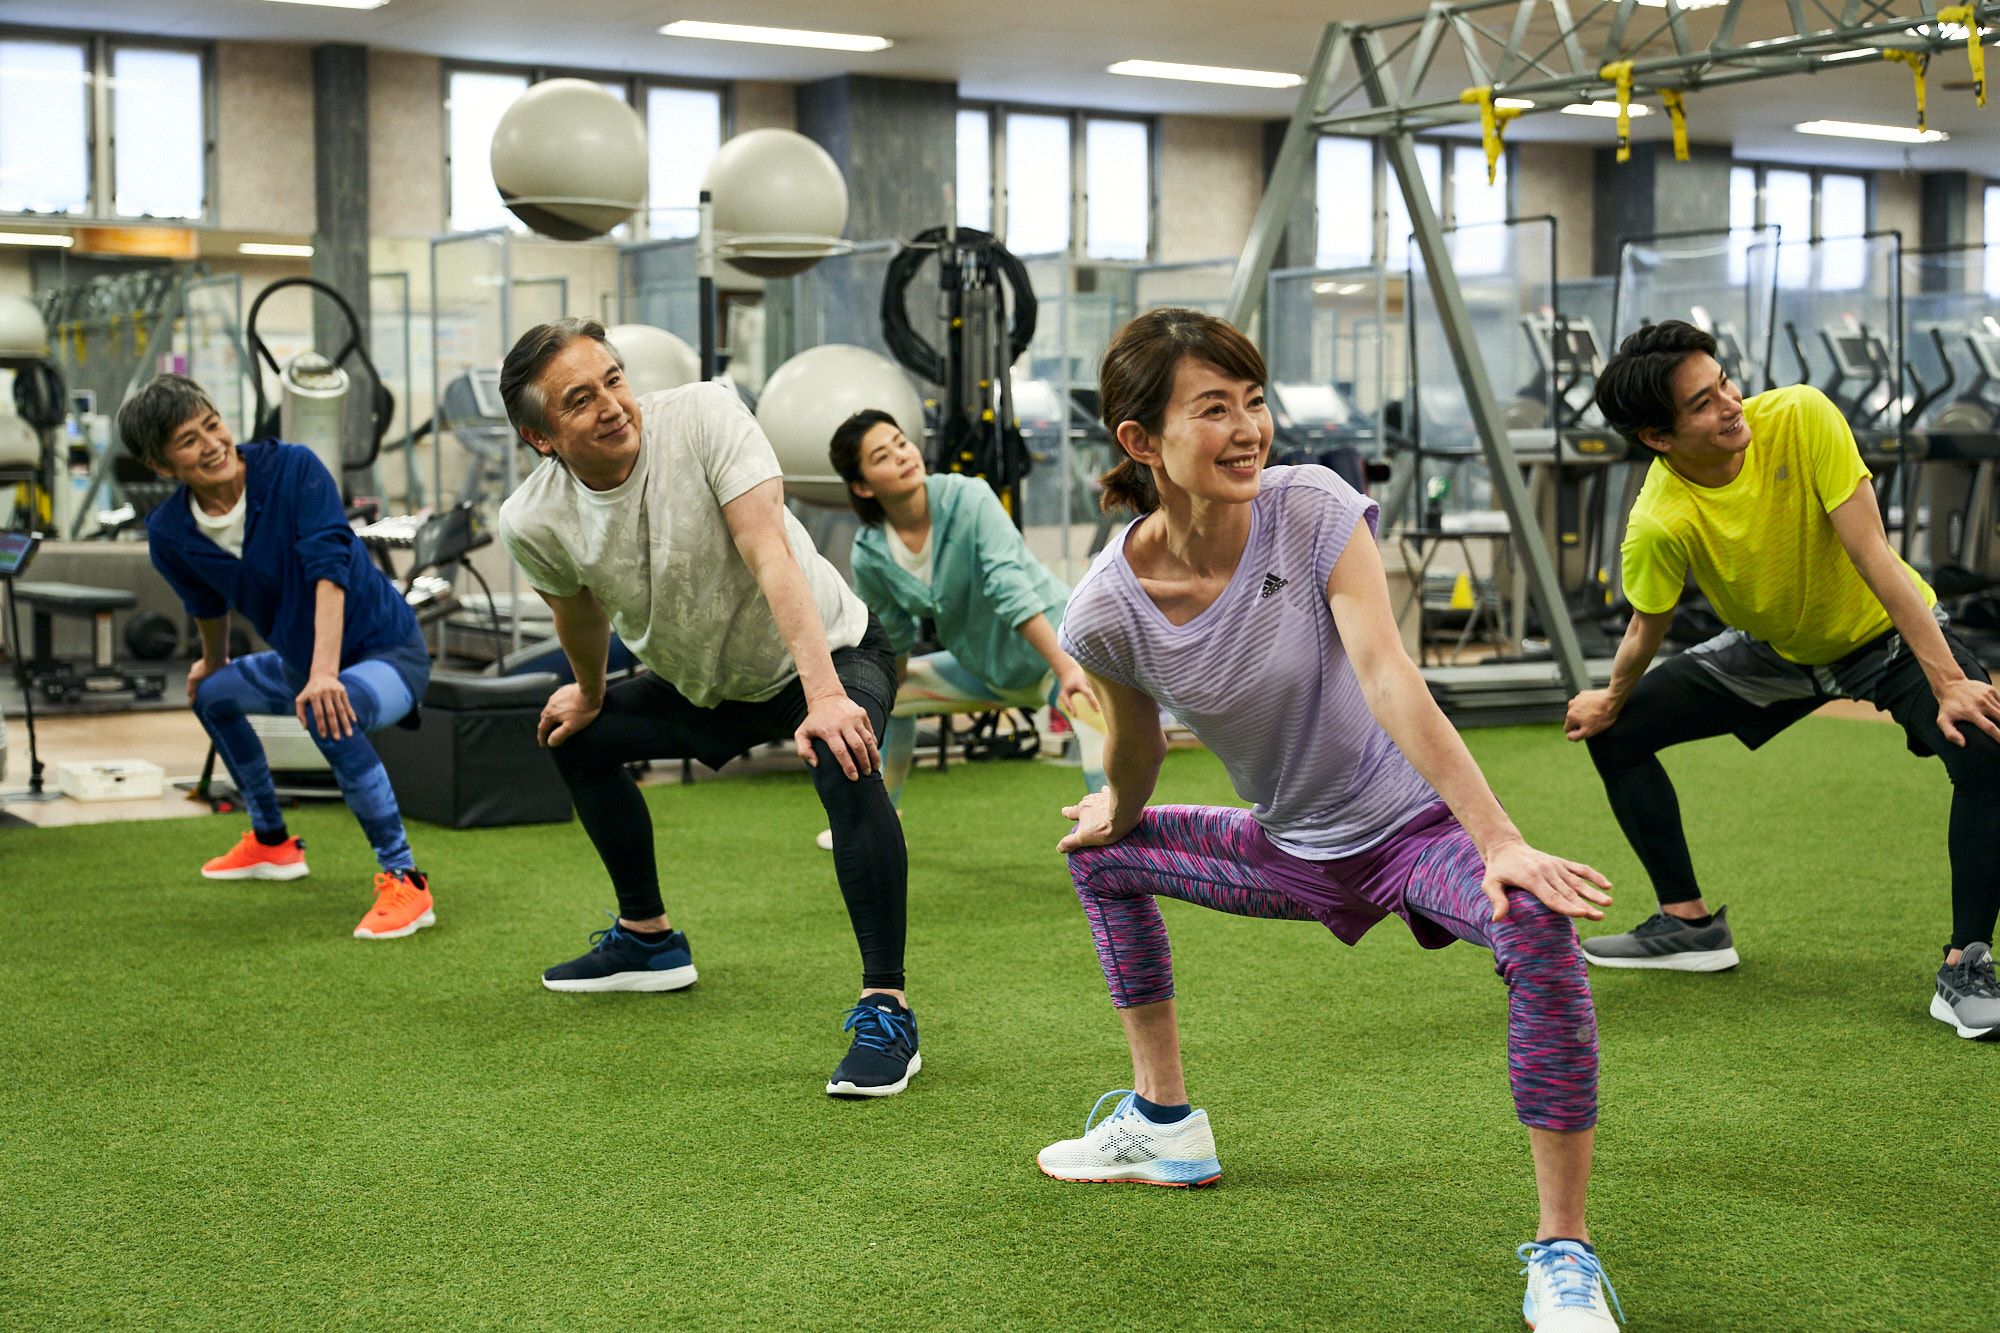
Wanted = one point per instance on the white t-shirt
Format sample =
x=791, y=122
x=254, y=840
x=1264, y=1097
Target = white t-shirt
x=917, y=563
x=656, y=550
x=225, y=530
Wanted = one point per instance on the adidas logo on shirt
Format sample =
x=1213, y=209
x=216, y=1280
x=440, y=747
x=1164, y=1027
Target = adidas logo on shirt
x=1271, y=584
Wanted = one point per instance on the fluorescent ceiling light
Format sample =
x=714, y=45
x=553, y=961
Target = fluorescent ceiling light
x=274, y=250
x=1518, y=103
x=55, y=239
x=737, y=32
x=1858, y=53
x=1685, y=4
x=336, y=4
x=1604, y=109
x=1166, y=69
x=1852, y=129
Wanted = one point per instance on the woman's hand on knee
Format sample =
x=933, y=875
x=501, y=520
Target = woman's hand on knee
x=324, y=708
x=1094, y=827
x=1568, y=887
x=566, y=713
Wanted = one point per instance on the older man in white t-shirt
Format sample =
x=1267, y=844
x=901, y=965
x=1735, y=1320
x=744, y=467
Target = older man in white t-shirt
x=665, y=521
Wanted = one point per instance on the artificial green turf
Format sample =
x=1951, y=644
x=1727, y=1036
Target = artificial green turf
x=218, y=1110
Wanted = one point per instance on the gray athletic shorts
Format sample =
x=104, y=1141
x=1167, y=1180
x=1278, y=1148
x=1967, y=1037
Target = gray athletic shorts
x=1753, y=671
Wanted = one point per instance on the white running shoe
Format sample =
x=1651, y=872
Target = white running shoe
x=1566, y=1289
x=1125, y=1146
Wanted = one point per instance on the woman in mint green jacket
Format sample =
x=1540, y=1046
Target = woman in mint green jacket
x=941, y=548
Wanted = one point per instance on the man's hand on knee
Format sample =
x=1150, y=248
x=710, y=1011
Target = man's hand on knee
x=844, y=727
x=567, y=712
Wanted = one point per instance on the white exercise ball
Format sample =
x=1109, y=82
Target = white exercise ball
x=808, y=397
x=654, y=359
x=569, y=159
x=778, y=202
x=22, y=333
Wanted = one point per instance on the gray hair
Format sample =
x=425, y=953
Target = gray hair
x=148, y=421
x=521, y=372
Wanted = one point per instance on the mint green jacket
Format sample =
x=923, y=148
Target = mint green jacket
x=984, y=584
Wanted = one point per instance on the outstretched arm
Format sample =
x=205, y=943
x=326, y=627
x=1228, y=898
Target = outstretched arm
x=1593, y=710
x=1857, y=521
x=1134, y=748
x=1358, y=593
x=756, y=521
x=584, y=631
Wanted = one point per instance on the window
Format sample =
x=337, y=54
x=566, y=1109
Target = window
x=683, y=134
x=1117, y=189
x=159, y=128
x=1345, y=226
x=1476, y=204
x=1788, y=205
x=1992, y=231
x=975, y=170
x=1806, y=204
x=1038, y=183
x=44, y=127
x=148, y=158
x=1353, y=188
x=474, y=102
x=1057, y=182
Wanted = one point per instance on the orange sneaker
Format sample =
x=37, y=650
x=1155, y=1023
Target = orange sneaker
x=402, y=907
x=250, y=859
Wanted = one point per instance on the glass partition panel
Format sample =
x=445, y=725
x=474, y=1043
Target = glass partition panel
x=1723, y=281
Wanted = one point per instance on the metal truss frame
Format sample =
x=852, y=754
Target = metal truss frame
x=1552, y=53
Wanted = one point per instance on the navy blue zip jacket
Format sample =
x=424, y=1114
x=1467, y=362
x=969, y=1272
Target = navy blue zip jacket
x=295, y=533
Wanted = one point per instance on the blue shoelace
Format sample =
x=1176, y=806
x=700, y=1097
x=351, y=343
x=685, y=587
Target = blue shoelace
x=877, y=1029
x=1570, y=1281
x=1116, y=1111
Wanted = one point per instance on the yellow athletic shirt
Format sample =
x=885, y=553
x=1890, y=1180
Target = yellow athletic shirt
x=1762, y=548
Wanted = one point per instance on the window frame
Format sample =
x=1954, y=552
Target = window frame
x=100, y=125
x=636, y=87
x=1759, y=168
x=996, y=114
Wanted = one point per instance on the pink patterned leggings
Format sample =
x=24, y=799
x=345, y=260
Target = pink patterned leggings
x=1208, y=855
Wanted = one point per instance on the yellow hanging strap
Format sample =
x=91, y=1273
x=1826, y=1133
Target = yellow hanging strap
x=139, y=334
x=1966, y=18
x=1677, y=112
x=76, y=341
x=1620, y=73
x=1492, y=124
x=1918, y=61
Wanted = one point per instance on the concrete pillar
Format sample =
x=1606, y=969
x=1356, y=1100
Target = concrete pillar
x=896, y=142
x=1653, y=193
x=340, y=235
x=1942, y=207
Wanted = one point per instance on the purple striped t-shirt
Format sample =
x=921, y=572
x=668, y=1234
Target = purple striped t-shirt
x=1260, y=675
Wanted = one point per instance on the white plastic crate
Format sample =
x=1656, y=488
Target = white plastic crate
x=110, y=780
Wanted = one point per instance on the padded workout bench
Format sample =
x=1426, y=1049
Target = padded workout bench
x=59, y=680
x=474, y=762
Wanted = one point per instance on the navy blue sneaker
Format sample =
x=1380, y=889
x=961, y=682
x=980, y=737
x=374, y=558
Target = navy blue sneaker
x=620, y=960
x=884, y=1053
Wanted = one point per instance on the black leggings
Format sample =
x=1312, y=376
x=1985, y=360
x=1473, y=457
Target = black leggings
x=1680, y=700
x=646, y=718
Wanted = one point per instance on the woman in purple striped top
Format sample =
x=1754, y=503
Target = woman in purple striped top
x=1252, y=604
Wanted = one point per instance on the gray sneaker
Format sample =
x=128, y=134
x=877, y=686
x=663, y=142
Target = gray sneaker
x=1968, y=995
x=1668, y=942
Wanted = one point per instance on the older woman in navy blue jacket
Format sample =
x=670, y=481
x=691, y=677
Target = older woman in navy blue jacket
x=259, y=530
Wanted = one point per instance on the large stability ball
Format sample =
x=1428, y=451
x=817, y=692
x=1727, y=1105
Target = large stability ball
x=810, y=395
x=779, y=203
x=22, y=333
x=654, y=359
x=569, y=159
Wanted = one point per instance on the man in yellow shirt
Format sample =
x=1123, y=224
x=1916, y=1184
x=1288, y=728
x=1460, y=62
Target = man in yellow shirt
x=1766, y=502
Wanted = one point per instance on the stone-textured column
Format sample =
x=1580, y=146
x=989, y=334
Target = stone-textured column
x=1653, y=193
x=896, y=142
x=340, y=236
